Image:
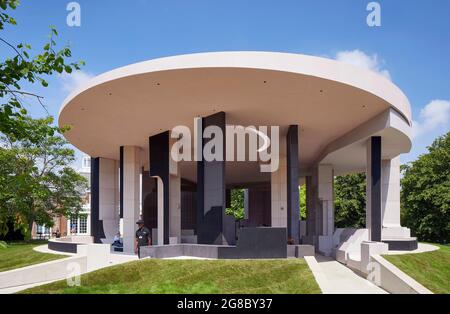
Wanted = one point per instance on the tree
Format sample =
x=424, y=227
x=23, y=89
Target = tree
x=425, y=193
x=236, y=208
x=302, y=200
x=20, y=68
x=350, y=201
x=37, y=182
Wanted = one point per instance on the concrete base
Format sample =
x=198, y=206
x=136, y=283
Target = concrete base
x=300, y=251
x=367, y=250
x=326, y=245
x=395, y=232
x=69, y=244
x=407, y=244
x=193, y=250
x=253, y=243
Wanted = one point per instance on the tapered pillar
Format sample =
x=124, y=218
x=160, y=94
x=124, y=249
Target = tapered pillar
x=213, y=225
x=108, y=195
x=326, y=208
x=278, y=190
x=390, y=191
x=131, y=193
x=373, y=192
x=293, y=199
x=96, y=225
x=160, y=169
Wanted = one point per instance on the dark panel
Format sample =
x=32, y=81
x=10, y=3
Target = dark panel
x=254, y=243
x=228, y=198
x=402, y=244
x=211, y=193
x=375, y=182
x=211, y=230
x=293, y=206
x=188, y=210
x=310, y=213
x=149, y=201
x=188, y=205
x=259, y=207
x=258, y=243
x=200, y=206
x=159, y=166
x=67, y=247
x=96, y=224
x=121, y=181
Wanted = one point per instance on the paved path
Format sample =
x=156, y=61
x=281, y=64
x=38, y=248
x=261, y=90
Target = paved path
x=335, y=278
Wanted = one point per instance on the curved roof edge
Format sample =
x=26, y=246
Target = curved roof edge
x=328, y=69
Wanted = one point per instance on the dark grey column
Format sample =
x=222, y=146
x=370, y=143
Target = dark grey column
x=293, y=202
x=96, y=224
x=310, y=213
x=375, y=188
x=214, y=226
x=121, y=182
x=159, y=166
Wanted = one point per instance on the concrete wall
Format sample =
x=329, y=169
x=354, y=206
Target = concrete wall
x=293, y=199
x=373, y=188
x=326, y=195
x=390, y=200
x=175, y=208
x=44, y=272
x=393, y=280
x=131, y=193
x=278, y=182
x=108, y=196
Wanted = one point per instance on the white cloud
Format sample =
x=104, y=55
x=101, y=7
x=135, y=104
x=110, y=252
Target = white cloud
x=434, y=115
x=73, y=81
x=360, y=59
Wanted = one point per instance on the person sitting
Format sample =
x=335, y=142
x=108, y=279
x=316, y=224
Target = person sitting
x=117, y=241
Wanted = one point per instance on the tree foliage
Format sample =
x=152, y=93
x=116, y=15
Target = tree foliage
x=302, y=200
x=22, y=68
x=36, y=180
x=350, y=201
x=425, y=194
x=236, y=208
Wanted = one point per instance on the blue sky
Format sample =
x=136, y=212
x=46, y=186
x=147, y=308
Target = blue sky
x=412, y=46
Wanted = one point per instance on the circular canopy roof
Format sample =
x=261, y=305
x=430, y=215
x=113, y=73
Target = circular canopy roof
x=326, y=98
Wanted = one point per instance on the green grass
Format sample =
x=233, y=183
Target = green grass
x=20, y=254
x=194, y=276
x=431, y=269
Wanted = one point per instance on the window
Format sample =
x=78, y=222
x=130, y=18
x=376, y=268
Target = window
x=42, y=231
x=86, y=162
x=74, y=225
x=82, y=224
x=79, y=224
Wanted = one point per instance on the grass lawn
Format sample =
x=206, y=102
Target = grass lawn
x=431, y=269
x=20, y=254
x=194, y=276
